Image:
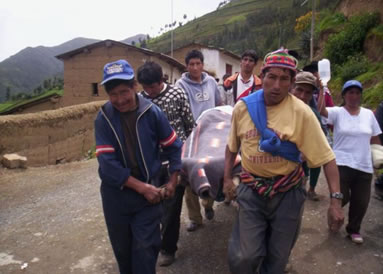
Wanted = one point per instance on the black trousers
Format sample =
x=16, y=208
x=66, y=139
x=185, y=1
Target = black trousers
x=171, y=221
x=356, y=188
x=171, y=218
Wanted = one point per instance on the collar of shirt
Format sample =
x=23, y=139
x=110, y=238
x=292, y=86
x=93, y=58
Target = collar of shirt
x=245, y=82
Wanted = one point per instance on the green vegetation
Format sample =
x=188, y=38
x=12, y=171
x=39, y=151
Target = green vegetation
x=373, y=96
x=345, y=49
x=331, y=21
x=349, y=41
x=9, y=105
x=262, y=25
x=354, y=66
x=91, y=153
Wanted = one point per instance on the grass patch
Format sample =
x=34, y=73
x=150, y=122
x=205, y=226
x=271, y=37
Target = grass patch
x=378, y=31
x=373, y=96
x=332, y=21
x=9, y=105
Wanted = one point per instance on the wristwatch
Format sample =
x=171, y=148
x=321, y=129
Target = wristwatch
x=336, y=195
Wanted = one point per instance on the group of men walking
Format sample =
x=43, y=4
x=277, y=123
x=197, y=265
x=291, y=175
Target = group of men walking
x=138, y=145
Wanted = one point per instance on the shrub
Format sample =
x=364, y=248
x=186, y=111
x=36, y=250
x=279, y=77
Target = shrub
x=349, y=41
x=354, y=66
x=332, y=21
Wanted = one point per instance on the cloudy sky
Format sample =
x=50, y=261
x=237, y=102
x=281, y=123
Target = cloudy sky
x=34, y=23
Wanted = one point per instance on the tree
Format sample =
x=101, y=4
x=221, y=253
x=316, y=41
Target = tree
x=133, y=43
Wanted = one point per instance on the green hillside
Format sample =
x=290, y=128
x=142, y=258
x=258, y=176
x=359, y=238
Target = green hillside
x=10, y=105
x=263, y=25
x=353, y=44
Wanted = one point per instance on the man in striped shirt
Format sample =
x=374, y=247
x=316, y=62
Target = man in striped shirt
x=174, y=103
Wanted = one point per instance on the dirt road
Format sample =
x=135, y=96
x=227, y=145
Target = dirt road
x=51, y=221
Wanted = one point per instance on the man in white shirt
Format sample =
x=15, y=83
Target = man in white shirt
x=243, y=83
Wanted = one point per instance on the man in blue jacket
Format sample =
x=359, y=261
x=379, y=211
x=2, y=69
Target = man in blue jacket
x=130, y=134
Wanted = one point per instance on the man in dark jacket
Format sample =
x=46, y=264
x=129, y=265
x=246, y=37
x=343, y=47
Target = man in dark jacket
x=129, y=133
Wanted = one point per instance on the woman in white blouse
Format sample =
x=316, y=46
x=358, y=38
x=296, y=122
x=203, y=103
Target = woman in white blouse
x=355, y=128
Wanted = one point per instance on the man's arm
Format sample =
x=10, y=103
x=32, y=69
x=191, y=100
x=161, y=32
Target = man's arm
x=335, y=212
x=228, y=185
x=172, y=149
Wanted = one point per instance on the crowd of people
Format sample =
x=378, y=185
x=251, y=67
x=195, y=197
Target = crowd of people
x=282, y=121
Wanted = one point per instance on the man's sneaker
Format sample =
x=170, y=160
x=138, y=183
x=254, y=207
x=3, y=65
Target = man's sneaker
x=209, y=213
x=166, y=259
x=356, y=238
x=192, y=226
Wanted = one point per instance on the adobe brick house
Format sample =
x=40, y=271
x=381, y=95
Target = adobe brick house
x=83, y=68
x=218, y=61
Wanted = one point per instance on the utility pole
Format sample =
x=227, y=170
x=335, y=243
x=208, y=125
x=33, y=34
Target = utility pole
x=171, y=42
x=171, y=32
x=312, y=31
x=312, y=27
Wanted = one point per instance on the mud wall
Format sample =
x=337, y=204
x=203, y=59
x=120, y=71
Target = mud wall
x=52, y=136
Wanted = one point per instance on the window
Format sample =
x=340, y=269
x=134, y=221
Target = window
x=94, y=89
x=229, y=69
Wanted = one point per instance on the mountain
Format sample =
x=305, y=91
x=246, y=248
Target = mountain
x=135, y=38
x=26, y=70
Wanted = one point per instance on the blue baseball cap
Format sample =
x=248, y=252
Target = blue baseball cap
x=351, y=83
x=120, y=69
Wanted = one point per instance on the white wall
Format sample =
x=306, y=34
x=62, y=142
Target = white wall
x=215, y=61
x=226, y=59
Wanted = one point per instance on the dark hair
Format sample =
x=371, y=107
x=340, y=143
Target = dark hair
x=227, y=75
x=292, y=73
x=312, y=67
x=193, y=54
x=293, y=53
x=250, y=53
x=149, y=73
x=116, y=82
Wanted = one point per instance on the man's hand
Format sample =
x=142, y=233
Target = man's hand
x=229, y=188
x=335, y=216
x=152, y=194
x=170, y=187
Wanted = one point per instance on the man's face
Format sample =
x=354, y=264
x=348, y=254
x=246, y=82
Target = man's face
x=195, y=68
x=154, y=89
x=276, y=85
x=247, y=65
x=304, y=92
x=123, y=98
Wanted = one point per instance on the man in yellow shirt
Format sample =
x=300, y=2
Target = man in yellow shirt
x=271, y=195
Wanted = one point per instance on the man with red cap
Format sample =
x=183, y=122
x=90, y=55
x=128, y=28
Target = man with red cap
x=272, y=128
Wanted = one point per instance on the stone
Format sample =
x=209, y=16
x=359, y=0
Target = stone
x=14, y=161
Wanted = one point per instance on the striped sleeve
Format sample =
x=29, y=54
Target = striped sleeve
x=170, y=140
x=104, y=149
